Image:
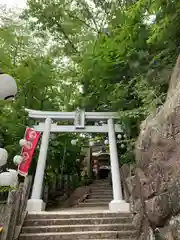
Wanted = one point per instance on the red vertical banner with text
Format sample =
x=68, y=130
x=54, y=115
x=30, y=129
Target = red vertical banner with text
x=32, y=137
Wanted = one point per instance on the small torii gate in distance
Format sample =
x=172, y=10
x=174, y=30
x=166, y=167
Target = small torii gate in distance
x=47, y=125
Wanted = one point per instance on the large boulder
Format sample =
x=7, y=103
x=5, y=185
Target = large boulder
x=156, y=182
x=79, y=195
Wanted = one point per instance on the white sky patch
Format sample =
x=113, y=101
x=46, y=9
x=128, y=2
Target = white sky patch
x=13, y=3
x=150, y=19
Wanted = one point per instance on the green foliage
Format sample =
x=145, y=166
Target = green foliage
x=99, y=55
x=6, y=189
x=39, y=85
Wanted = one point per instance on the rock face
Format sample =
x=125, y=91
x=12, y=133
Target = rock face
x=77, y=196
x=155, y=186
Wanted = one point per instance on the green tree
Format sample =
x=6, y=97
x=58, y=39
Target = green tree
x=99, y=55
x=31, y=62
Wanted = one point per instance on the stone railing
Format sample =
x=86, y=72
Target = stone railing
x=13, y=211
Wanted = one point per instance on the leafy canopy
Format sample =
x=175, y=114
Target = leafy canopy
x=100, y=55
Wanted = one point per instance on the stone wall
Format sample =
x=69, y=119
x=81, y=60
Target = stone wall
x=154, y=187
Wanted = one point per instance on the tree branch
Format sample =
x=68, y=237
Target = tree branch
x=89, y=12
x=16, y=52
x=66, y=37
x=81, y=20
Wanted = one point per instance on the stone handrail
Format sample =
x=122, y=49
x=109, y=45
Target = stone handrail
x=13, y=213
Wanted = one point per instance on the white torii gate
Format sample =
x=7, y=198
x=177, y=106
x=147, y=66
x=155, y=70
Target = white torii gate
x=36, y=203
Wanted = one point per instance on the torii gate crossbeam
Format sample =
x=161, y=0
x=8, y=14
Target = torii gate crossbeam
x=70, y=128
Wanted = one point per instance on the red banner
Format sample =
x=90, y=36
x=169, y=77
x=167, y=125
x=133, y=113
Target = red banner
x=32, y=137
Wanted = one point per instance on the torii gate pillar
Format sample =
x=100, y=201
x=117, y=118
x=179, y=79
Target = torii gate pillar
x=117, y=204
x=36, y=203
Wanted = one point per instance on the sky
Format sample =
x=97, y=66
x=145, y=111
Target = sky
x=13, y=3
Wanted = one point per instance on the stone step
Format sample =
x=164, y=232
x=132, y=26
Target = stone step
x=101, y=180
x=99, y=189
x=101, y=183
x=104, y=185
x=70, y=215
x=74, y=221
x=100, y=186
x=95, y=200
x=103, y=194
x=78, y=228
x=100, y=196
x=92, y=204
x=104, y=190
x=79, y=235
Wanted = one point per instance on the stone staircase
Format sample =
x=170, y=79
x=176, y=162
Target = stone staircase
x=70, y=226
x=89, y=220
x=100, y=196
